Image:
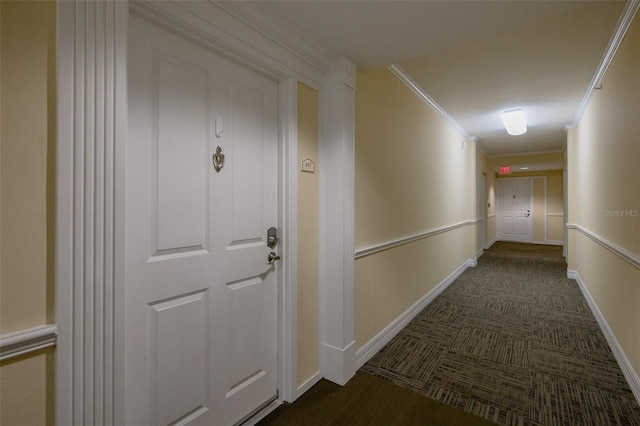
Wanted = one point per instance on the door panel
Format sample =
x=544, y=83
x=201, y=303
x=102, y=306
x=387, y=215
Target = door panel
x=200, y=300
x=180, y=93
x=180, y=142
x=178, y=356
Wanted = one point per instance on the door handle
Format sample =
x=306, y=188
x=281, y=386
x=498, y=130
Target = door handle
x=272, y=257
x=528, y=213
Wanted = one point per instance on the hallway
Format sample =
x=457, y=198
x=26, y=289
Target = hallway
x=512, y=341
x=385, y=174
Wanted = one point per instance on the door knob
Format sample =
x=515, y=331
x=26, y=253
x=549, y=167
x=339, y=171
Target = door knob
x=272, y=258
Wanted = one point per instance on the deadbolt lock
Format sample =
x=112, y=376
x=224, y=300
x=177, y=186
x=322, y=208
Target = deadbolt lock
x=272, y=237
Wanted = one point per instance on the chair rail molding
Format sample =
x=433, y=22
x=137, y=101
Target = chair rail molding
x=26, y=341
x=632, y=258
x=376, y=248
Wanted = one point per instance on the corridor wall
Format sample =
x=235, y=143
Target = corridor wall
x=415, y=202
x=603, y=156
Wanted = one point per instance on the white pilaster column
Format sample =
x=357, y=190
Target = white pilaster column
x=91, y=128
x=337, y=223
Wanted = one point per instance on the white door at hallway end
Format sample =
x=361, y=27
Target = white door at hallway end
x=201, y=192
x=514, y=209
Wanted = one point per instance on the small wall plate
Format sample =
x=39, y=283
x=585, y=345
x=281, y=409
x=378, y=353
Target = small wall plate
x=308, y=166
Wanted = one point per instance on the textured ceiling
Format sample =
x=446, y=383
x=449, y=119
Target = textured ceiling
x=475, y=58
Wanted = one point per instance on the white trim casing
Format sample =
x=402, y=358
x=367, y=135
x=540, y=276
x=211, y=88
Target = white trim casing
x=336, y=196
x=91, y=96
x=545, y=208
x=26, y=341
x=288, y=225
x=625, y=365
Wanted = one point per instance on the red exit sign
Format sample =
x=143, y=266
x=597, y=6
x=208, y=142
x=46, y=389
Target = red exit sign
x=504, y=170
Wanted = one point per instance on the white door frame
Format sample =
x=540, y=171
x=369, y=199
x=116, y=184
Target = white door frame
x=90, y=226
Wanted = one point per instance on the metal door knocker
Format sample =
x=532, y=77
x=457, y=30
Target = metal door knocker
x=218, y=160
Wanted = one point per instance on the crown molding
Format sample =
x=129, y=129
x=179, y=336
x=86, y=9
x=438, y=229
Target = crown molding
x=526, y=153
x=479, y=148
x=630, y=11
x=415, y=88
x=263, y=20
x=249, y=34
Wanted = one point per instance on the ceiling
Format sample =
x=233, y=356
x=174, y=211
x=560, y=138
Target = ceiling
x=474, y=58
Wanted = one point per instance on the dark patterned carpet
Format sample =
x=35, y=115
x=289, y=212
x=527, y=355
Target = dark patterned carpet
x=513, y=341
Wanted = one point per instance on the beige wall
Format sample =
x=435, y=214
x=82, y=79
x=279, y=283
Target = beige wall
x=486, y=205
x=27, y=202
x=308, y=363
x=411, y=175
x=548, y=202
x=604, y=154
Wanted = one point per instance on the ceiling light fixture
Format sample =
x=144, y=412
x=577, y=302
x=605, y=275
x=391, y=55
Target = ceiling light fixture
x=514, y=122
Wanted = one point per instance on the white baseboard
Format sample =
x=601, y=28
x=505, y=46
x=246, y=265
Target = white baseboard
x=489, y=244
x=479, y=253
x=308, y=384
x=621, y=357
x=378, y=341
x=549, y=242
x=338, y=363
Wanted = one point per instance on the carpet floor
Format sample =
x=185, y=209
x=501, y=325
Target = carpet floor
x=367, y=400
x=512, y=341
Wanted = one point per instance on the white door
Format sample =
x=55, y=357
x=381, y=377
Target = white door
x=515, y=222
x=200, y=310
